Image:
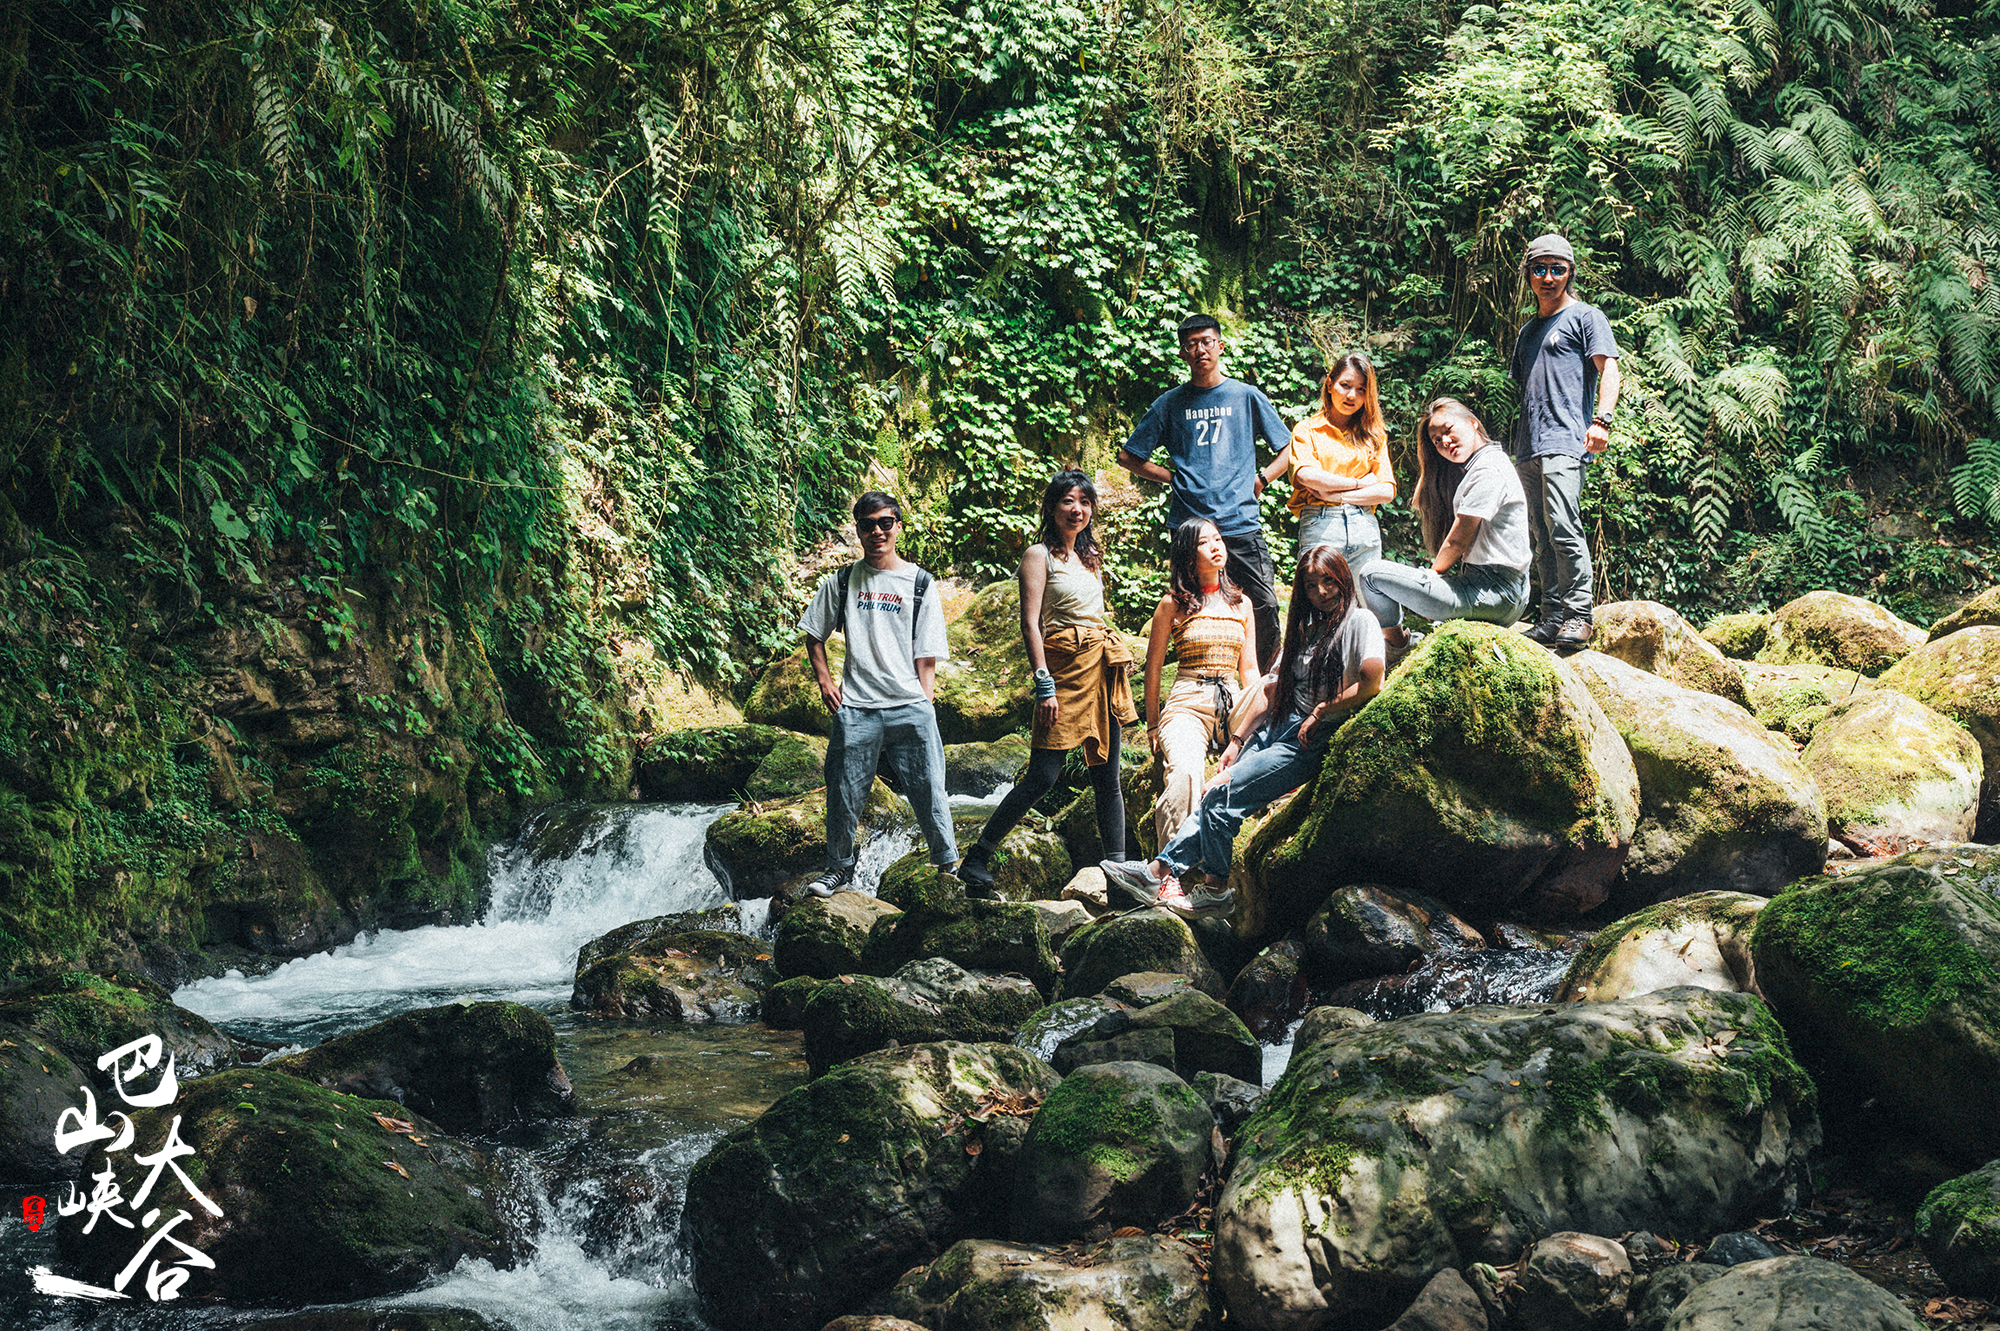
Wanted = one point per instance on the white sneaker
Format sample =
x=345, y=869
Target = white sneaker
x=1132, y=878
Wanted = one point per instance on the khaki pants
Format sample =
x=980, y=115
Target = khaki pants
x=1187, y=722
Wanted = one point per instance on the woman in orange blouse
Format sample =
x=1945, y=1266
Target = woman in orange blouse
x=1340, y=465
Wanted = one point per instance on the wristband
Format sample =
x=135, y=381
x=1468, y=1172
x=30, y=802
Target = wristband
x=1602, y=418
x=1045, y=685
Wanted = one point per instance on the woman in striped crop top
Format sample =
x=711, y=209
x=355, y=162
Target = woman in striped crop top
x=1207, y=621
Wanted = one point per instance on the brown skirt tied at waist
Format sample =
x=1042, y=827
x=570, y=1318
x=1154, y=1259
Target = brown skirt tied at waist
x=1092, y=669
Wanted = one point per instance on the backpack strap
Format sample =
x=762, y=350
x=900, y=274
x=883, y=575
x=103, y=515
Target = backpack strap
x=916, y=606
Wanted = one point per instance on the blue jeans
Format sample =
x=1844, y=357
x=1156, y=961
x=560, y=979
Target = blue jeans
x=1272, y=765
x=1491, y=592
x=1554, y=483
x=1349, y=528
x=908, y=737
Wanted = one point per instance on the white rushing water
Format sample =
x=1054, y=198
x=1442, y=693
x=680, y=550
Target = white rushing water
x=575, y=873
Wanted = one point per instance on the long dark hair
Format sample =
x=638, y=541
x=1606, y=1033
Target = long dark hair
x=1187, y=577
x=1366, y=429
x=1086, y=540
x=1307, y=626
x=1438, y=476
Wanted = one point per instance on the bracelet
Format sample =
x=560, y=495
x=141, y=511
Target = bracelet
x=1045, y=686
x=1602, y=418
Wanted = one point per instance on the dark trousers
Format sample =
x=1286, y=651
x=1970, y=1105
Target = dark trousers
x=1249, y=568
x=1044, y=767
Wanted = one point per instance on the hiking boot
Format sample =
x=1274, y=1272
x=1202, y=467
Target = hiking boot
x=1574, y=635
x=1545, y=632
x=829, y=881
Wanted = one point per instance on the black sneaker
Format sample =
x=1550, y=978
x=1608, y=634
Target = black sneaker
x=829, y=881
x=1545, y=632
x=1575, y=634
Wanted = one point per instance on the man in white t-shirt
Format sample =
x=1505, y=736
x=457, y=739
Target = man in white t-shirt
x=893, y=619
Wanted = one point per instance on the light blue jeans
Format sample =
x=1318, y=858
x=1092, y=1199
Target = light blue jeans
x=1349, y=528
x=1491, y=592
x=1271, y=765
x=907, y=737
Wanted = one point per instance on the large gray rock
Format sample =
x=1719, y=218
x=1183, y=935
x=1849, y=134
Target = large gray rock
x=1147, y=940
x=1388, y=1153
x=1959, y=676
x=1187, y=1032
x=717, y=763
x=1888, y=981
x=1652, y=637
x=1702, y=940
x=1116, y=1144
x=1959, y=1228
x=1364, y=931
x=927, y=1000
x=689, y=978
x=1791, y=1294
x=1723, y=804
x=1484, y=774
x=1659, y=1296
x=1895, y=773
x=1447, y=1303
x=826, y=936
x=850, y=1180
x=1835, y=629
x=1270, y=992
x=1574, y=1282
x=1981, y=609
x=1150, y=1283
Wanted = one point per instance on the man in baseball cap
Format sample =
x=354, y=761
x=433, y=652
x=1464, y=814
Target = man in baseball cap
x=1566, y=363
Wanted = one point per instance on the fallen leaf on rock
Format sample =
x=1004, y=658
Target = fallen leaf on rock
x=392, y=1124
x=1128, y=1232
x=974, y=1147
x=391, y=1164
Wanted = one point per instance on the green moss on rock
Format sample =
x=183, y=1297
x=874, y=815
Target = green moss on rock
x=1959, y=1228
x=1981, y=609
x=1835, y=629
x=1148, y=940
x=1892, y=769
x=1739, y=637
x=1960, y=676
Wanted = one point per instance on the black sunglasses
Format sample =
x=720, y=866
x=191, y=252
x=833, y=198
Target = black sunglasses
x=1548, y=270
x=876, y=524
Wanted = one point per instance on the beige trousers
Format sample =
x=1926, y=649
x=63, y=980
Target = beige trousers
x=1187, y=721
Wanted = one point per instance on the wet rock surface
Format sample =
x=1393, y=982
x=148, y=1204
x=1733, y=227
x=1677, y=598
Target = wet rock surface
x=1187, y=1032
x=471, y=1068
x=1270, y=992
x=928, y=1000
x=1134, y=1284
x=1388, y=1153
x=825, y=937
x=844, y=1184
x=1152, y=940
x=1366, y=931
x=1959, y=1227
x=1703, y=939
x=1116, y=1144
x=697, y=976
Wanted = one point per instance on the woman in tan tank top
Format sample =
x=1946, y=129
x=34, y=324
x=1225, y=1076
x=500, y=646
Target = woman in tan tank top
x=1083, y=697
x=1208, y=623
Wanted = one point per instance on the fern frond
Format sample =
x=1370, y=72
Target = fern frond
x=271, y=112
x=1975, y=485
x=421, y=105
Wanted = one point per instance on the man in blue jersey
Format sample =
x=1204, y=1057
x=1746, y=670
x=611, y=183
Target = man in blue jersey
x=1210, y=426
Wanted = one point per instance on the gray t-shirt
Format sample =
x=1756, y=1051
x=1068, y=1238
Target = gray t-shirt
x=1491, y=491
x=1553, y=365
x=1358, y=638
x=882, y=651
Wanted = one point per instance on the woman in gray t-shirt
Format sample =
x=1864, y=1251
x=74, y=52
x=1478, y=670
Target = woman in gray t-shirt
x=1470, y=501
x=1332, y=663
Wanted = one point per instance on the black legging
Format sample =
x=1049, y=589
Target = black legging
x=1044, y=768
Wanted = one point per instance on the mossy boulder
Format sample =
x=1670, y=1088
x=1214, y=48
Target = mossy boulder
x=320, y=1202
x=849, y=1181
x=1835, y=629
x=471, y=1068
x=726, y=763
x=1960, y=677
x=1483, y=774
x=1574, y=1282
x=1147, y=1283
x=1146, y=940
x=1652, y=637
x=825, y=937
x=1364, y=931
x=1032, y=863
x=981, y=766
x=1792, y=1294
x=783, y=1007
x=688, y=978
x=87, y=1015
x=1895, y=773
x=1186, y=1032
x=1116, y=1144
x=1888, y=980
x=998, y=937
x=1391, y=1152
x=1702, y=939
x=1271, y=991
x=1723, y=805
x=1981, y=609
x=786, y=695
x=1795, y=698
x=927, y=1000
x=987, y=689
x=37, y=1083
x=726, y=918
x=756, y=850
x=1959, y=1228
x=1739, y=637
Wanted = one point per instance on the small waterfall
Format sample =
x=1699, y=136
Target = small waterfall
x=574, y=873
x=1446, y=981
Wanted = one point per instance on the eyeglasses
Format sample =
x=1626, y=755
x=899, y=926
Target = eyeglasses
x=1548, y=270
x=1202, y=343
x=866, y=525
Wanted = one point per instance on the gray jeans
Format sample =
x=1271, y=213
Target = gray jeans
x=1555, y=529
x=907, y=737
x=1491, y=592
